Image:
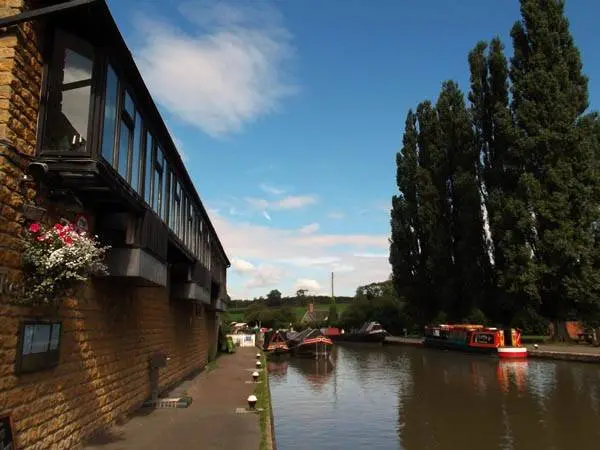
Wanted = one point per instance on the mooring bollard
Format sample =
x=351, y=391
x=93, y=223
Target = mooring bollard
x=258, y=364
x=255, y=376
x=258, y=356
x=252, y=402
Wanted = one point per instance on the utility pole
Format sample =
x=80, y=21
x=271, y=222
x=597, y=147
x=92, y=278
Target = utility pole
x=332, y=294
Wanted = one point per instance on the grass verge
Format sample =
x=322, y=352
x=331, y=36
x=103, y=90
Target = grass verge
x=263, y=396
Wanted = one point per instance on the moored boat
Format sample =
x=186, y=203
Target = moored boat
x=505, y=343
x=310, y=343
x=371, y=332
x=275, y=344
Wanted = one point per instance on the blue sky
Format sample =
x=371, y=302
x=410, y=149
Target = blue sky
x=288, y=114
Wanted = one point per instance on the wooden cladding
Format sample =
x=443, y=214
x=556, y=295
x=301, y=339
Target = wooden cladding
x=154, y=235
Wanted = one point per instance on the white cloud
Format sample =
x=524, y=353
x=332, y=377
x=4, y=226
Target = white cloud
x=269, y=189
x=224, y=73
x=371, y=255
x=312, y=286
x=308, y=262
x=310, y=228
x=336, y=215
x=289, y=202
x=266, y=215
x=242, y=266
x=286, y=255
x=295, y=202
x=264, y=276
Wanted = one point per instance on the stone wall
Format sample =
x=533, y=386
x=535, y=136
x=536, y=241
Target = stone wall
x=103, y=374
x=109, y=333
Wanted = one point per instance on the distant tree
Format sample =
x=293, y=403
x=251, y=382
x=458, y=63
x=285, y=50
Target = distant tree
x=274, y=298
x=332, y=317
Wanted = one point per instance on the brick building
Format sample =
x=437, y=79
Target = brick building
x=81, y=137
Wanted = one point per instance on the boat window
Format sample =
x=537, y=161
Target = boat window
x=68, y=104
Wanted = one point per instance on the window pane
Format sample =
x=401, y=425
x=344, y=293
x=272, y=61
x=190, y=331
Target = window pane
x=69, y=98
x=135, y=156
x=41, y=338
x=149, y=171
x=165, y=203
x=110, y=115
x=124, y=139
x=129, y=105
x=157, y=192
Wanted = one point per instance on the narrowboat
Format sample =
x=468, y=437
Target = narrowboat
x=275, y=344
x=310, y=343
x=371, y=332
x=505, y=343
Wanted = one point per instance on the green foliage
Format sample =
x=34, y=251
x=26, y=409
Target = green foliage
x=532, y=159
x=376, y=302
x=332, y=317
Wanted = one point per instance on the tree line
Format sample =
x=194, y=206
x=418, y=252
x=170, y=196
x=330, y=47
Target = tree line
x=302, y=298
x=498, y=204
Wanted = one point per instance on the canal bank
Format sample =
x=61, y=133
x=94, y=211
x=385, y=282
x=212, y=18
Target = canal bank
x=216, y=418
x=560, y=352
x=262, y=391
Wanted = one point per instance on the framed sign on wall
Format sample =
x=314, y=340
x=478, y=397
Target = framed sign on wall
x=39, y=345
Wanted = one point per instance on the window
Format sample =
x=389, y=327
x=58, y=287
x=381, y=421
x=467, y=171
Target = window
x=136, y=163
x=126, y=130
x=148, y=171
x=158, y=180
x=176, y=207
x=69, y=96
x=110, y=115
x=39, y=345
x=165, y=203
x=190, y=226
x=183, y=227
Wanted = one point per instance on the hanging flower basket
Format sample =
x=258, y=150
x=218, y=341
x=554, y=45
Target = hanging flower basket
x=58, y=260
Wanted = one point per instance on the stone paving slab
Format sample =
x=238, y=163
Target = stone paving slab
x=210, y=422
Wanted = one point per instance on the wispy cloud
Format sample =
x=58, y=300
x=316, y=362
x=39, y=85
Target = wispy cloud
x=266, y=215
x=288, y=255
x=336, y=215
x=310, y=228
x=270, y=189
x=289, y=202
x=230, y=70
x=371, y=255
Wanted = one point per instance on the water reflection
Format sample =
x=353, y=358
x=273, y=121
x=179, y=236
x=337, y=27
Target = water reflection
x=396, y=398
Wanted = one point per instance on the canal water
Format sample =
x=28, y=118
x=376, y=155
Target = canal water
x=387, y=397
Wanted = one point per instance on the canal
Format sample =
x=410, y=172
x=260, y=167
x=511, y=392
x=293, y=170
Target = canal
x=387, y=397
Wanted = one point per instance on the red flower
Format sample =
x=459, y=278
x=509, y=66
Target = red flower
x=34, y=228
x=67, y=240
x=58, y=227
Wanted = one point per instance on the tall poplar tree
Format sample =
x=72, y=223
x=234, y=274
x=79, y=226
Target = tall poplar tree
x=509, y=218
x=433, y=215
x=470, y=257
x=549, y=98
x=404, y=250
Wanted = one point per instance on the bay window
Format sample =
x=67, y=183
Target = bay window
x=68, y=102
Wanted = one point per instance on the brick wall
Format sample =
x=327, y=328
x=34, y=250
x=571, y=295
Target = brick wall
x=103, y=374
x=109, y=333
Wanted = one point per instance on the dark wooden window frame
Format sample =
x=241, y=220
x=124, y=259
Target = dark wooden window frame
x=54, y=44
x=36, y=362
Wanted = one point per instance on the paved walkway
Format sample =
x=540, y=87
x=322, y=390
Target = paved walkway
x=210, y=422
